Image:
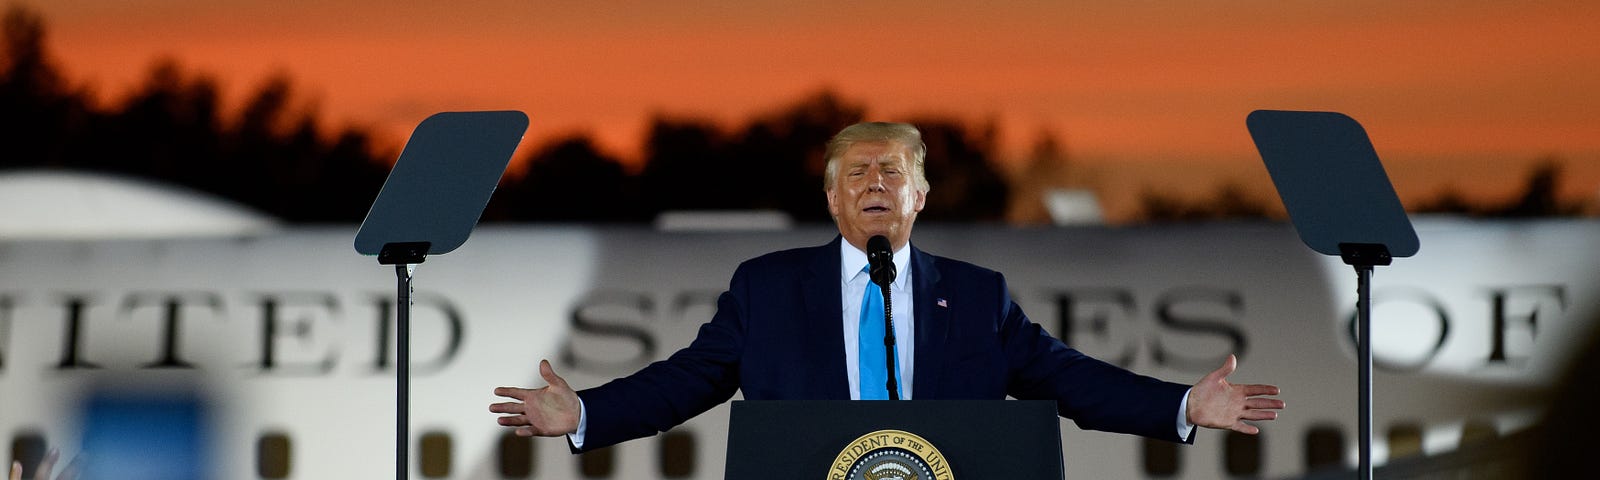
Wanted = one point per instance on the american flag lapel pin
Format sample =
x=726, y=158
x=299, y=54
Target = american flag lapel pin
x=942, y=303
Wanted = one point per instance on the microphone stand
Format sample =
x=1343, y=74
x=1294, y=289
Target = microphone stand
x=880, y=261
x=889, y=343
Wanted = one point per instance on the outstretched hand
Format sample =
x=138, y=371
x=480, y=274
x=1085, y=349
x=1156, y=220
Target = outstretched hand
x=548, y=411
x=1215, y=403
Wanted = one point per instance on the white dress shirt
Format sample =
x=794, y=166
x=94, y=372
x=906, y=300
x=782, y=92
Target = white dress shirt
x=853, y=281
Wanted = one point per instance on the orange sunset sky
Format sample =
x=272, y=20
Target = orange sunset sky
x=1455, y=93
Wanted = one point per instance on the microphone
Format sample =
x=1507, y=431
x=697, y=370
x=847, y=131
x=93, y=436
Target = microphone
x=880, y=260
x=880, y=267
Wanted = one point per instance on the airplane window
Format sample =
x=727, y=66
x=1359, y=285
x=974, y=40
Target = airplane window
x=677, y=455
x=1324, y=447
x=1242, y=453
x=516, y=456
x=435, y=455
x=1160, y=458
x=273, y=455
x=598, y=463
x=1478, y=430
x=1405, y=440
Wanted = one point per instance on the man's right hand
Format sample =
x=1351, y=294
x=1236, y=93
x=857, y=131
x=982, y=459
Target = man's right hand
x=549, y=411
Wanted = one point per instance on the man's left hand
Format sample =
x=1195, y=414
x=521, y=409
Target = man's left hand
x=1215, y=403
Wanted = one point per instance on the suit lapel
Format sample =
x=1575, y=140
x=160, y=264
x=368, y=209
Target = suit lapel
x=821, y=286
x=933, y=325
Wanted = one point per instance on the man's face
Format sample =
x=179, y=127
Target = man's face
x=873, y=193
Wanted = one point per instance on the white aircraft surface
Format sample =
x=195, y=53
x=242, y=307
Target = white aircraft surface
x=268, y=353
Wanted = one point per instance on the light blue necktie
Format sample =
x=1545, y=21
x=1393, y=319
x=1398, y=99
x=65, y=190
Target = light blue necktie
x=870, y=356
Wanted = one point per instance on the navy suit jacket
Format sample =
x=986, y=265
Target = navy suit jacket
x=776, y=335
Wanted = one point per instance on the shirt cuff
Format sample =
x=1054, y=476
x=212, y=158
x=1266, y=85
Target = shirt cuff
x=583, y=424
x=1184, y=427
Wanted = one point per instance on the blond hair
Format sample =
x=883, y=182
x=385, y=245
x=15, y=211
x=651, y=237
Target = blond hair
x=871, y=132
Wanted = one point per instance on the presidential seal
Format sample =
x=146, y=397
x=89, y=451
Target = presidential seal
x=890, y=455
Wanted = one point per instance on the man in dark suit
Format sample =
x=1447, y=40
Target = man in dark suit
x=798, y=324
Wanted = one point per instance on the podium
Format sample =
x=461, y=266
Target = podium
x=932, y=439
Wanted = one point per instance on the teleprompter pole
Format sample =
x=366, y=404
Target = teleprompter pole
x=404, y=256
x=1364, y=350
x=402, y=371
x=1363, y=256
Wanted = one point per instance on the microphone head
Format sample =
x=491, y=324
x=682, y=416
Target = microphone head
x=878, y=244
x=880, y=260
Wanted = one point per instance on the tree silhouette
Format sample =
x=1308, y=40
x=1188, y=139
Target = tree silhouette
x=1230, y=201
x=1046, y=168
x=1448, y=200
x=776, y=162
x=687, y=168
x=172, y=128
x=1540, y=194
x=38, y=110
x=782, y=154
x=1540, y=197
x=163, y=130
x=964, y=185
x=273, y=154
x=567, y=180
